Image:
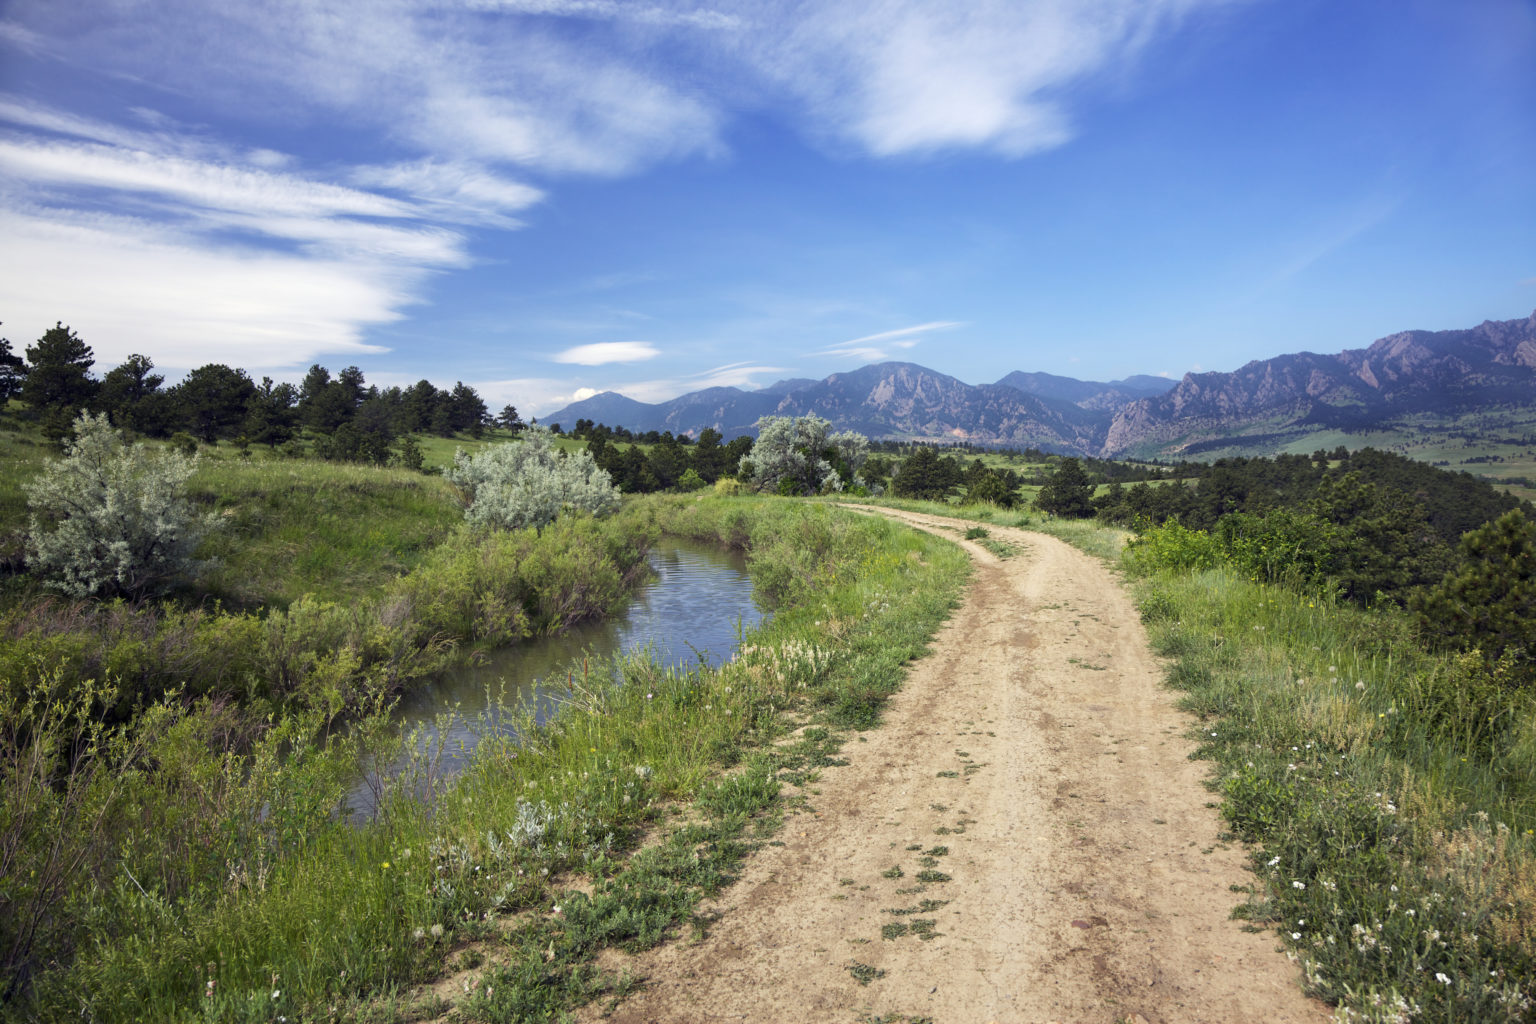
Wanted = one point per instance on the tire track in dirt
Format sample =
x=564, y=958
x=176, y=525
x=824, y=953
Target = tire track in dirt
x=1035, y=767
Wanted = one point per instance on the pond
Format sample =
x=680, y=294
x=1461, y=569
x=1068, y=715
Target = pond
x=694, y=609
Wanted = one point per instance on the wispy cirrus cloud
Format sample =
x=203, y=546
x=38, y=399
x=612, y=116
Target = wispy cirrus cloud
x=902, y=338
x=449, y=104
x=904, y=77
x=604, y=352
x=157, y=242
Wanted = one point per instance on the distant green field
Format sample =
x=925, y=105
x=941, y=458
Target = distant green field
x=1496, y=444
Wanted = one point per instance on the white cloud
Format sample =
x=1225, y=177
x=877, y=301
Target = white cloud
x=216, y=254
x=901, y=338
x=913, y=76
x=454, y=191
x=605, y=10
x=903, y=332
x=130, y=286
x=733, y=375
x=605, y=352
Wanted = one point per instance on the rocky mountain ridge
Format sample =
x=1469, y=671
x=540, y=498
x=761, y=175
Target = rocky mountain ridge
x=1287, y=395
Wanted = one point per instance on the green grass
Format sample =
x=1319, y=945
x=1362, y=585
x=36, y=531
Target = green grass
x=224, y=863
x=291, y=527
x=1389, y=794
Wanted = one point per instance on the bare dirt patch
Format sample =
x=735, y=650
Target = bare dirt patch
x=1023, y=839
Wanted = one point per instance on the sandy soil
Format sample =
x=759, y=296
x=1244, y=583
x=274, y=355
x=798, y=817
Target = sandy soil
x=1036, y=745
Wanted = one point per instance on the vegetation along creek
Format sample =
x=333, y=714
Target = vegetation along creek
x=693, y=611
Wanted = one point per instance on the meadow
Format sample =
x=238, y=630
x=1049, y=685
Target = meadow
x=172, y=847
x=187, y=861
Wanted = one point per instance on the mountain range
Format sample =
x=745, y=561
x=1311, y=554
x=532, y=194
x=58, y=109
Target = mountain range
x=1262, y=405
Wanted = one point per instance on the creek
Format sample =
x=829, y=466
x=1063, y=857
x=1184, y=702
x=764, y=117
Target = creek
x=694, y=609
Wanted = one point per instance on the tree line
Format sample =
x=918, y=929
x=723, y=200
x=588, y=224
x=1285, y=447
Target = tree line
x=352, y=420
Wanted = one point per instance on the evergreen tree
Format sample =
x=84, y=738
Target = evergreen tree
x=509, y=419
x=923, y=475
x=708, y=455
x=58, y=383
x=13, y=371
x=271, y=416
x=212, y=401
x=1068, y=492
x=1489, y=603
x=130, y=393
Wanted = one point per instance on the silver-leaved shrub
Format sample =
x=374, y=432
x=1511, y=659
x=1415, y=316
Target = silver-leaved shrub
x=793, y=455
x=112, y=518
x=529, y=482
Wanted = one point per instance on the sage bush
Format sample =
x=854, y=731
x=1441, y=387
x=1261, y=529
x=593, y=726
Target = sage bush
x=112, y=518
x=529, y=482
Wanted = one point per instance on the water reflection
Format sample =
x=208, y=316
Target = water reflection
x=693, y=609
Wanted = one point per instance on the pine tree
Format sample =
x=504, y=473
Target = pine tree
x=58, y=383
x=1068, y=492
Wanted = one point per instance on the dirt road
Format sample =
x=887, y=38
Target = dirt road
x=1022, y=840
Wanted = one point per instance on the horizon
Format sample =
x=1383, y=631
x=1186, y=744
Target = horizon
x=550, y=199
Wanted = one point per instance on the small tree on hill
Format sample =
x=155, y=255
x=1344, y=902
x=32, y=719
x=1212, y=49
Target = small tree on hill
x=110, y=518
x=58, y=382
x=528, y=483
x=1068, y=492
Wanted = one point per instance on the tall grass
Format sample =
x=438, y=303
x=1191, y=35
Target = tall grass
x=228, y=889
x=292, y=527
x=1389, y=794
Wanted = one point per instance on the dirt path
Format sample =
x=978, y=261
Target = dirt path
x=1036, y=762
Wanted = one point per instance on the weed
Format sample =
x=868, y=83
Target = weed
x=864, y=973
x=894, y=871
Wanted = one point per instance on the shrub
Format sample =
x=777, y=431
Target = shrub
x=112, y=518
x=797, y=455
x=1172, y=546
x=528, y=483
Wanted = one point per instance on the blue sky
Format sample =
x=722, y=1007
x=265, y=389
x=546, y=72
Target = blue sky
x=546, y=198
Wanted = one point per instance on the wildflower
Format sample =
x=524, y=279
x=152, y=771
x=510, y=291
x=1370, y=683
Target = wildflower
x=419, y=934
x=276, y=992
x=1273, y=861
x=386, y=865
x=1298, y=885
x=1296, y=936
x=1442, y=979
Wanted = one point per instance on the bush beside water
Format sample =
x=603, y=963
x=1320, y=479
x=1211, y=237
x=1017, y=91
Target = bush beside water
x=206, y=875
